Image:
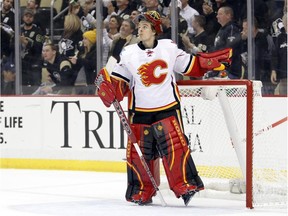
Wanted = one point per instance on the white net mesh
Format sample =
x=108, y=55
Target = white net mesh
x=213, y=146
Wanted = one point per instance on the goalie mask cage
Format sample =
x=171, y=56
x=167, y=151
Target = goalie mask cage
x=232, y=146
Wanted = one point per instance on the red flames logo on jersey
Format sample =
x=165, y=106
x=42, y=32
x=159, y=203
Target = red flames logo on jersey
x=147, y=72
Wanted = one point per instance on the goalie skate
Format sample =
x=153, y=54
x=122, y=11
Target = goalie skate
x=139, y=202
x=188, y=196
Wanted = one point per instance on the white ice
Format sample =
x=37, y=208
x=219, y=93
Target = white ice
x=79, y=193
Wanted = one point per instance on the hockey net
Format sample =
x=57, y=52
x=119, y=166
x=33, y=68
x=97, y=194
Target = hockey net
x=232, y=145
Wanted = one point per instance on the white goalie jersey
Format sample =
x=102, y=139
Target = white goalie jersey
x=150, y=74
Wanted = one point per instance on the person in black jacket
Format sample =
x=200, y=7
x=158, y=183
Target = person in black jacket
x=198, y=42
x=8, y=77
x=279, y=60
x=31, y=46
x=40, y=18
x=58, y=76
x=229, y=36
x=71, y=36
x=212, y=26
x=264, y=47
x=7, y=27
x=85, y=64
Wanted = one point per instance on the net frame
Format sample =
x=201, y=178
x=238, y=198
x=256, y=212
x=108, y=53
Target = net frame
x=249, y=125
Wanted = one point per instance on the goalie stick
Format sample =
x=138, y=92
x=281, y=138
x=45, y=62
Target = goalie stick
x=124, y=121
x=269, y=127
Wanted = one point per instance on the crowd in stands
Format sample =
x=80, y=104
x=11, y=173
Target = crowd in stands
x=69, y=66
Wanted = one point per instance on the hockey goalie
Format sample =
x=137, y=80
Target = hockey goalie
x=146, y=73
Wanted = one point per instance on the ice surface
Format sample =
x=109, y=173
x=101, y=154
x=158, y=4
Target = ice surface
x=78, y=193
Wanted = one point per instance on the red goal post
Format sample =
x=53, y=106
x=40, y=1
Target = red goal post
x=221, y=118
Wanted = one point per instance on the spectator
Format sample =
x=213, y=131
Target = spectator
x=197, y=5
x=276, y=12
x=7, y=27
x=38, y=16
x=221, y=3
x=262, y=57
x=106, y=45
x=123, y=8
x=212, y=26
x=71, y=36
x=229, y=36
x=166, y=27
x=86, y=64
x=57, y=74
x=89, y=6
x=114, y=26
x=152, y=5
x=89, y=15
x=133, y=15
x=31, y=42
x=167, y=34
x=125, y=38
x=8, y=78
x=261, y=13
x=188, y=13
x=235, y=5
x=199, y=41
x=279, y=60
x=111, y=8
x=120, y=8
x=75, y=8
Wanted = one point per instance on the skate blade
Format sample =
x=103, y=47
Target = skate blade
x=139, y=202
x=187, y=197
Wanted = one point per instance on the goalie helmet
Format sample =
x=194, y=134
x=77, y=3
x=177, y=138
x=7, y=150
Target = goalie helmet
x=154, y=18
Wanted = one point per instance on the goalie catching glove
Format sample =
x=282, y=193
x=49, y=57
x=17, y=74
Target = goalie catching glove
x=215, y=61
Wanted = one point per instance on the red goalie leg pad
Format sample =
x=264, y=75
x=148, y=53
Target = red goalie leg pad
x=178, y=164
x=140, y=188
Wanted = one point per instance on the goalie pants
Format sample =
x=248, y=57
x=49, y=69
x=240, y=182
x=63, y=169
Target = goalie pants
x=160, y=134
